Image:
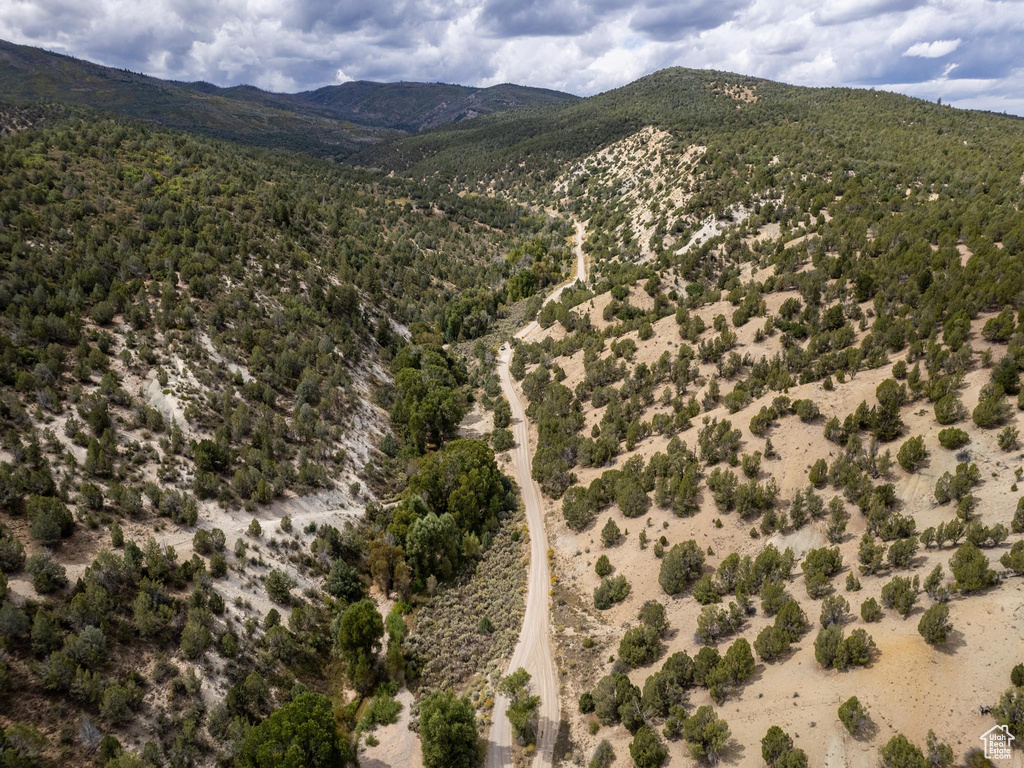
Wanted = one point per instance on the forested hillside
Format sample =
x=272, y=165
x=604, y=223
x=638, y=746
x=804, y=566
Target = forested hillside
x=799, y=354
x=409, y=107
x=333, y=121
x=195, y=337
x=254, y=442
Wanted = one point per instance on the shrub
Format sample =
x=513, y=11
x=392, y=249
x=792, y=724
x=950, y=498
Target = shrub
x=522, y=707
x=718, y=441
x=992, y=409
x=502, y=413
x=705, y=591
x=899, y=752
x=900, y=594
x=604, y=756
x=818, y=475
x=12, y=555
x=705, y=734
x=999, y=328
x=1010, y=711
x=610, y=533
x=1014, y=559
x=853, y=715
x=912, y=454
x=586, y=702
x=1009, y=438
x=1017, y=525
x=970, y=568
x=610, y=591
x=576, y=508
x=902, y=552
x=652, y=614
x=819, y=566
x=646, y=749
x=751, y=464
x=806, y=410
x=832, y=650
x=778, y=751
x=630, y=497
x=613, y=694
x=680, y=567
x=792, y=620
x=640, y=645
x=771, y=643
x=870, y=611
x=714, y=623
x=90, y=496
x=722, y=484
x=738, y=663
x=13, y=621
x=834, y=610
x=934, y=625
x=343, y=582
x=953, y=438
x=603, y=566
x=279, y=586
x=218, y=565
x=1017, y=675
x=49, y=520
x=502, y=440
x=949, y=409
x=828, y=645
x=761, y=421
x=773, y=597
x=195, y=639
x=47, y=574
x=119, y=702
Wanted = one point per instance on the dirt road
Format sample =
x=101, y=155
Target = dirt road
x=533, y=651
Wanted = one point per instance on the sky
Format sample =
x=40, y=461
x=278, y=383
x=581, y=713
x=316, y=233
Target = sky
x=969, y=53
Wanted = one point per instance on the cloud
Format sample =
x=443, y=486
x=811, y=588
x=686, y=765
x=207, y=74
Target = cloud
x=582, y=46
x=846, y=11
x=933, y=50
x=539, y=18
x=674, y=18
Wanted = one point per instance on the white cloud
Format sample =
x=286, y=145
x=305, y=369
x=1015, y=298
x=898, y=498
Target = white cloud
x=601, y=44
x=933, y=50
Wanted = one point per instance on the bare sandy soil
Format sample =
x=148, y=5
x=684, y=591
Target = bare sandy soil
x=910, y=687
x=649, y=177
x=399, y=747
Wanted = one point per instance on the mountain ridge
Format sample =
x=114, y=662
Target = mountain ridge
x=333, y=120
x=405, y=105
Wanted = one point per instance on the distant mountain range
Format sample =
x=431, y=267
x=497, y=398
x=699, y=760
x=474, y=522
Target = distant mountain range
x=409, y=107
x=334, y=120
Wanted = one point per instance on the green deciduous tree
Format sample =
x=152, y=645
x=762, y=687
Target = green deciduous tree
x=301, y=734
x=522, y=705
x=448, y=732
x=358, y=641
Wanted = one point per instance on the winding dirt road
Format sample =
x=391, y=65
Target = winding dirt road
x=533, y=651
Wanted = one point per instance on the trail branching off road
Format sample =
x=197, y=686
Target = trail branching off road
x=533, y=650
